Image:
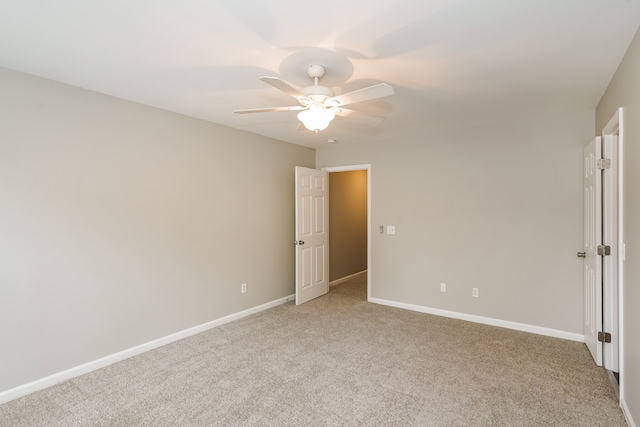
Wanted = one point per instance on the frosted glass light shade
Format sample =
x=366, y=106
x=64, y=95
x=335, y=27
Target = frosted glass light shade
x=316, y=119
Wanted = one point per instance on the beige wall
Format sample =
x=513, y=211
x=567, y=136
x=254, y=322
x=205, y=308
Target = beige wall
x=348, y=223
x=122, y=223
x=624, y=91
x=497, y=207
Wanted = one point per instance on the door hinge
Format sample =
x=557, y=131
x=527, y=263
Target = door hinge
x=603, y=164
x=604, y=337
x=604, y=250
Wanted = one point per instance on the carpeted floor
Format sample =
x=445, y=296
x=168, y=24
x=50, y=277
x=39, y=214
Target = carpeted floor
x=337, y=361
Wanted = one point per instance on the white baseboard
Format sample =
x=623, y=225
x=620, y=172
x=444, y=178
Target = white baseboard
x=76, y=371
x=349, y=277
x=484, y=320
x=627, y=413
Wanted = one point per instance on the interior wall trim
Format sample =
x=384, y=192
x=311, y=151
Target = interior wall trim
x=48, y=381
x=627, y=413
x=345, y=278
x=484, y=320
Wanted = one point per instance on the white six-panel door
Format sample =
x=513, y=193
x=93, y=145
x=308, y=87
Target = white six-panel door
x=312, y=234
x=592, y=238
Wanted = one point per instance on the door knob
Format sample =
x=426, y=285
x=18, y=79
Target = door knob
x=582, y=254
x=298, y=242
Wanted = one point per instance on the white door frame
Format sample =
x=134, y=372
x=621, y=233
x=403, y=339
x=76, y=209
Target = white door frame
x=610, y=263
x=366, y=167
x=612, y=140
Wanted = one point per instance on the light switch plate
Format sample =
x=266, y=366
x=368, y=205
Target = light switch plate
x=391, y=229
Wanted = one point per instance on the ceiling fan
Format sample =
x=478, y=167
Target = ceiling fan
x=318, y=104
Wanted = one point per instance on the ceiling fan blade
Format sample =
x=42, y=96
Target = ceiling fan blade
x=361, y=95
x=346, y=112
x=284, y=86
x=267, y=110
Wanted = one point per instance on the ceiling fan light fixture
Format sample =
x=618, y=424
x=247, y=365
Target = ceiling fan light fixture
x=316, y=119
x=318, y=105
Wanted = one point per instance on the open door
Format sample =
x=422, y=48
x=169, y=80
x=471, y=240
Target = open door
x=312, y=234
x=592, y=240
x=601, y=229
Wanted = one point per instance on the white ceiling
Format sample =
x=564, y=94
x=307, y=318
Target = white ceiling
x=451, y=62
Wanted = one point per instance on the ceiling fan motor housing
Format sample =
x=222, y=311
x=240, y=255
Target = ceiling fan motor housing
x=317, y=94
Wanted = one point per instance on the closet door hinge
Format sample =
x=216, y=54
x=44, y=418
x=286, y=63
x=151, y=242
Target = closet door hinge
x=604, y=337
x=603, y=164
x=604, y=250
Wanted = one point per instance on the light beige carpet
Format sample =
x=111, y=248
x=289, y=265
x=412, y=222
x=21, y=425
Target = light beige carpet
x=338, y=361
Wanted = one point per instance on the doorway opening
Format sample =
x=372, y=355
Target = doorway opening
x=350, y=223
